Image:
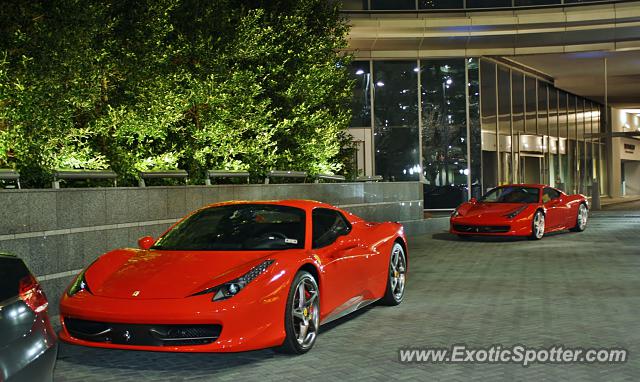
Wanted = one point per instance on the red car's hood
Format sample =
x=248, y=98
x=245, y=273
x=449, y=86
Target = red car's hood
x=131, y=273
x=478, y=210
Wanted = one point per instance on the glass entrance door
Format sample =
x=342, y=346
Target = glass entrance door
x=530, y=168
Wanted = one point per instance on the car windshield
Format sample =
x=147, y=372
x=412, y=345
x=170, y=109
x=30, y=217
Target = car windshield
x=238, y=227
x=512, y=194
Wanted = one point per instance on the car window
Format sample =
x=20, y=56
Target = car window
x=12, y=270
x=242, y=227
x=512, y=194
x=328, y=225
x=549, y=194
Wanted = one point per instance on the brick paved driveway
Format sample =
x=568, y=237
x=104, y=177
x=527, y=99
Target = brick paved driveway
x=572, y=289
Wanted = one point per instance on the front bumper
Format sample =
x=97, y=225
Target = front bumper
x=490, y=227
x=240, y=323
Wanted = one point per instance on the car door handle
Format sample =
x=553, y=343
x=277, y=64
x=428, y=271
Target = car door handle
x=342, y=248
x=349, y=246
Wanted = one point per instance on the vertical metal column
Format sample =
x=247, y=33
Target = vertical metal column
x=497, y=130
x=513, y=174
x=468, y=115
x=607, y=130
x=480, y=122
x=547, y=167
x=373, y=119
x=420, y=126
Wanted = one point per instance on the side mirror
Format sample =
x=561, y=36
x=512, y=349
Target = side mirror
x=146, y=242
x=473, y=200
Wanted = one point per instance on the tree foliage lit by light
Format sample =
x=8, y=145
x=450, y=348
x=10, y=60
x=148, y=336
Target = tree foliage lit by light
x=162, y=84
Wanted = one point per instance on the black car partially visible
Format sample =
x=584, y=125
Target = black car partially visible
x=28, y=344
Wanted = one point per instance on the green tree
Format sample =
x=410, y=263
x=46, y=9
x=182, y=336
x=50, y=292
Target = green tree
x=195, y=84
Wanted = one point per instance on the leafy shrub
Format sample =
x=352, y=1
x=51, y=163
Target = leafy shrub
x=164, y=84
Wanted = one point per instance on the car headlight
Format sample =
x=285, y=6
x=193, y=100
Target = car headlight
x=231, y=288
x=455, y=213
x=515, y=213
x=80, y=283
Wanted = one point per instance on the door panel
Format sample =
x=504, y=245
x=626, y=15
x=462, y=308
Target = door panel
x=343, y=274
x=556, y=207
x=340, y=252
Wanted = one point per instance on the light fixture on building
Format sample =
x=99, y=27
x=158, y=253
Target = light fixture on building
x=380, y=83
x=359, y=72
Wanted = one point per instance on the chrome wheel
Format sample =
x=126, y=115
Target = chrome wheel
x=538, y=225
x=397, y=272
x=583, y=215
x=305, y=312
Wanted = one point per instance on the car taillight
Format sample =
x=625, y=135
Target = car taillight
x=32, y=294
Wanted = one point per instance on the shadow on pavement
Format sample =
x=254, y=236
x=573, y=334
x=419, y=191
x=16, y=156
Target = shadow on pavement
x=446, y=236
x=172, y=361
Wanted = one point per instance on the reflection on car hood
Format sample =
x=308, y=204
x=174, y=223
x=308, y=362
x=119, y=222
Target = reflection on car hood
x=131, y=273
x=492, y=209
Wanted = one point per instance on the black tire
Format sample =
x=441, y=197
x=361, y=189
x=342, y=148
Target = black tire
x=291, y=345
x=396, y=273
x=581, y=227
x=535, y=232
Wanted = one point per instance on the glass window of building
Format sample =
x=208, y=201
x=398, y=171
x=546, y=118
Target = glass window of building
x=504, y=124
x=552, y=146
x=392, y=4
x=562, y=114
x=355, y=5
x=396, y=140
x=441, y=4
x=580, y=119
x=444, y=132
x=542, y=109
x=504, y=100
x=517, y=97
x=527, y=3
x=572, y=146
x=531, y=97
x=488, y=3
x=475, y=141
x=361, y=99
x=580, y=144
x=489, y=123
x=562, y=141
x=553, y=111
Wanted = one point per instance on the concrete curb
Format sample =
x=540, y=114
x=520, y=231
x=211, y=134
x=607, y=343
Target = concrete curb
x=425, y=226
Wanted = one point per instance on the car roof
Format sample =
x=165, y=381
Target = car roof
x=531, y=185
x=299, y=203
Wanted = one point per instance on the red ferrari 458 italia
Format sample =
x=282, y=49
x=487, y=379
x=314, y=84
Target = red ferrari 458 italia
x=521, y=210
x=237, y=276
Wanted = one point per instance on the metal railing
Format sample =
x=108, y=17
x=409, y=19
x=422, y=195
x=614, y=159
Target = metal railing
x=168, y=174
x=12, y=177
x=71, y=175
x=471, y=5
x=285, y=175
x=9, y=175
x=222, y=174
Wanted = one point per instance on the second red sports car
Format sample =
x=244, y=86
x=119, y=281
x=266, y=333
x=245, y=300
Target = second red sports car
x=521, y=210
x=237, y=276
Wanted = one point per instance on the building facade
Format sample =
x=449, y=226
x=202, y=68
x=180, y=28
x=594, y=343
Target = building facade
x=463, y=124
